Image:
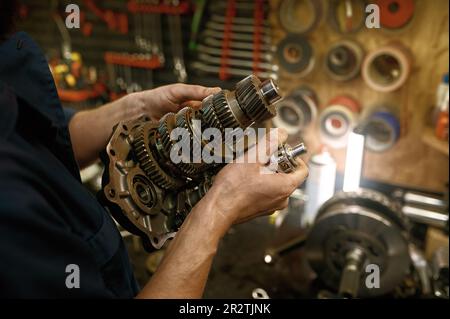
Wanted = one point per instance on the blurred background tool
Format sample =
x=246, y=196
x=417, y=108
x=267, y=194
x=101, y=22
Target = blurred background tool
x=387, y=68
x=297, y=111
x=337, y=120
x=395, y=14
x=347, y=16
x=343, y=60
x=295, y=55
x=382, y=131
x=300, y=16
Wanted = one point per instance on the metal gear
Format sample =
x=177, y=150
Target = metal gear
x=166, y=125
x=151, y=194
x=356, y=229
x=184, y=120
x=223, y=111
x=142, y=140
x=208, y=114
x=252, y=101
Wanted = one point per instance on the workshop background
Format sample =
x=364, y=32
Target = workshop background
x=334, y=72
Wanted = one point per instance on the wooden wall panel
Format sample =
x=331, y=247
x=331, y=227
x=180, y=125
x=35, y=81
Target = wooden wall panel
x=410, y=162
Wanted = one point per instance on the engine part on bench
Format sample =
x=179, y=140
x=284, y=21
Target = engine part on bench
x=355, y=230
x=300, y=16
x=343, y=60
x=347, y=16
x=296, y=111
x=149, y=193
x=295, y=55
x=439, y=269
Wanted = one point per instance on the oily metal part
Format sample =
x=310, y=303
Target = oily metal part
x=285, y=159
x=356, y=229
x=150, y=192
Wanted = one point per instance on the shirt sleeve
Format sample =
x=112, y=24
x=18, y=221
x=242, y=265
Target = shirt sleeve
x=68, y=114
x=37, y=245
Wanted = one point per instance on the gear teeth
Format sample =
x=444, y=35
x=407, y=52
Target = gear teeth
x=209, y=116
x=182, y=118
x=250, y=100
x=223, y=111
x=165, y=127
x=148, y=163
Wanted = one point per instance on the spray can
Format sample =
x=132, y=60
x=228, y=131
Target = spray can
x=319, y=185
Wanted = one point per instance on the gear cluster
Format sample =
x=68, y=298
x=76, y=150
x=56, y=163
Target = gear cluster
x=155, y=202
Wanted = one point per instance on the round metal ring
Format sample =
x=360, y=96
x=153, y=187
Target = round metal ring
x=300, y=16
x=295, y=55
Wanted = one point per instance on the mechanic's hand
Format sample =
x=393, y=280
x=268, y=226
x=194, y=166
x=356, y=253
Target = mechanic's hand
x=242, y=191
x=170, y=98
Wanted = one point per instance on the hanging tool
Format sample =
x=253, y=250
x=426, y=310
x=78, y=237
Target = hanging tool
x=176, y=40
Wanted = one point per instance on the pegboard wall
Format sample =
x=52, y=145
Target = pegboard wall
x=411, y=162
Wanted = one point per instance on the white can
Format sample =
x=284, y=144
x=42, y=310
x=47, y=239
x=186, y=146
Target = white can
x=319, y=185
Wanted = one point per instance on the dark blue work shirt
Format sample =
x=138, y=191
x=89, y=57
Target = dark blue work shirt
x=48, y=220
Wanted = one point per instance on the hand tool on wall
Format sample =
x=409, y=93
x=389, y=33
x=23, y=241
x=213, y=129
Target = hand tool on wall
x=238, y=39
x=235, y=72
x=387, y=68
x=115, y=21
x=176, y=40
x=195, y=24
x=132, y=72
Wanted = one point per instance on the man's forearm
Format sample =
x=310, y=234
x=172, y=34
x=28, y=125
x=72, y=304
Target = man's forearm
x=184, y=270
x=90, y=130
